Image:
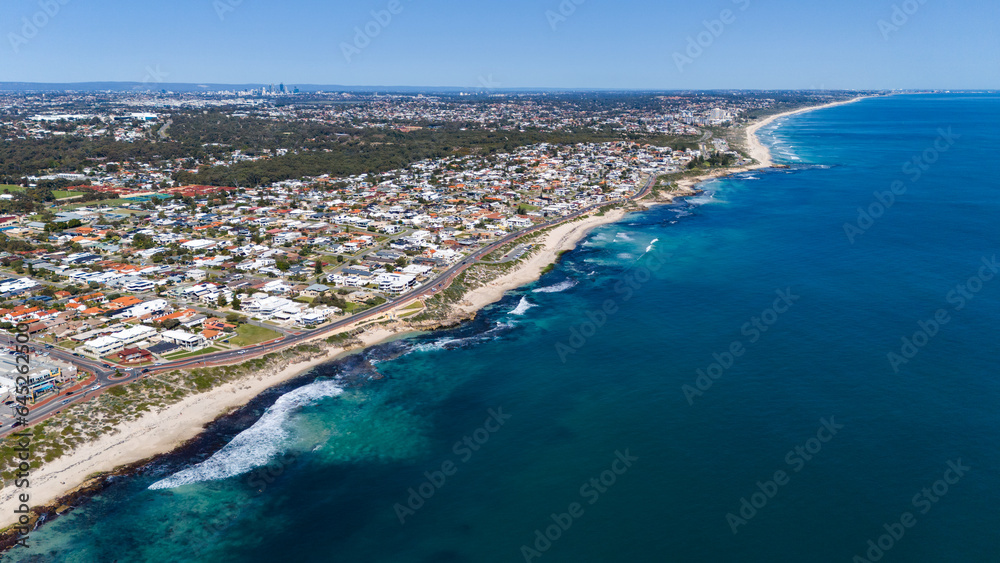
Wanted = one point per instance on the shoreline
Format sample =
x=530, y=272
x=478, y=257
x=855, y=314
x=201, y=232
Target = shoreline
x=55, y=484
x=761, y=153
x=561, y=238
x=158, y=433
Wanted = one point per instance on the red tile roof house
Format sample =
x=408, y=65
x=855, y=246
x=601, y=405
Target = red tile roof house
x=218, y=324
x=210, y=334
x=131, y=355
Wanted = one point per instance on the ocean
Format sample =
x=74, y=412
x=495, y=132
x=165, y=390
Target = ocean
x=798, y=364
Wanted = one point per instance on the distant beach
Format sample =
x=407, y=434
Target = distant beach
x=761, y=153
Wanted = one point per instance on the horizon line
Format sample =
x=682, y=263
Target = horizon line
x=313, y=88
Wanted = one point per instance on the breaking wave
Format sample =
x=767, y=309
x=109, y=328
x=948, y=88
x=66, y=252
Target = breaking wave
x=451, y=343
x=702, y=199
x=443, y=344
x=561, y=286
x=255, y=446
x=522, y=307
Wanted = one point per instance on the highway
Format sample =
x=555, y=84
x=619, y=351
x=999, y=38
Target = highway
x=103, y=374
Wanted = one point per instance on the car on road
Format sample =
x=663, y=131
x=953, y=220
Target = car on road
x=65, y=401
x=145, y=370
x=241, y=352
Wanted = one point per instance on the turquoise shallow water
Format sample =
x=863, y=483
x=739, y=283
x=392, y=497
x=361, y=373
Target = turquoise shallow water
x=588, y=379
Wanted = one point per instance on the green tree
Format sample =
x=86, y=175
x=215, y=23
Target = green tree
x=143, y=242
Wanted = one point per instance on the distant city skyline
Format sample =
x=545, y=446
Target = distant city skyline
x=517, y=44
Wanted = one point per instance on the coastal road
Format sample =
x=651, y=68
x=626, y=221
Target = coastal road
x=439, y=283
x=429, y=288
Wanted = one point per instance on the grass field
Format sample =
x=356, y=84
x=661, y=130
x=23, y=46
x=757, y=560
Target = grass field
x=192, y=354
x=108, y=202
x=59, y=194
x=248, y=335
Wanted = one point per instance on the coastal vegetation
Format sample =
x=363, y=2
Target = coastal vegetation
x=86, y=422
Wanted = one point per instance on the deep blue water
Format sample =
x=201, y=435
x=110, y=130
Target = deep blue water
x=595, y=371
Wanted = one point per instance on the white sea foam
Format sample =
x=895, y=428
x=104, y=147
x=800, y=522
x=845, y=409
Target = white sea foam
x=449, y=343
x=523, y=307
x=255, y=446
x=702, y=199
x=650, y=247
x=623, y=236
x=436, y=345
x=561, y=286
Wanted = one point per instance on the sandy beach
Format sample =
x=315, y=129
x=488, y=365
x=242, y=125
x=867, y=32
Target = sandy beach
x=758, y=151
x=156, y=432
x=563, y=237
x=159, y=432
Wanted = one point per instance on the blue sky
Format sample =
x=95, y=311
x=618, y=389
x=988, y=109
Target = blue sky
x=763, y=44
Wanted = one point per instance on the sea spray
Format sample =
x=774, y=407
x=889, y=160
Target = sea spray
x=256, y=445
x=522, y=307
x=561, y=286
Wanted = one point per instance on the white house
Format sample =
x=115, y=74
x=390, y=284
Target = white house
x=102, y=346
x=183, y=339
x=395, y=283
